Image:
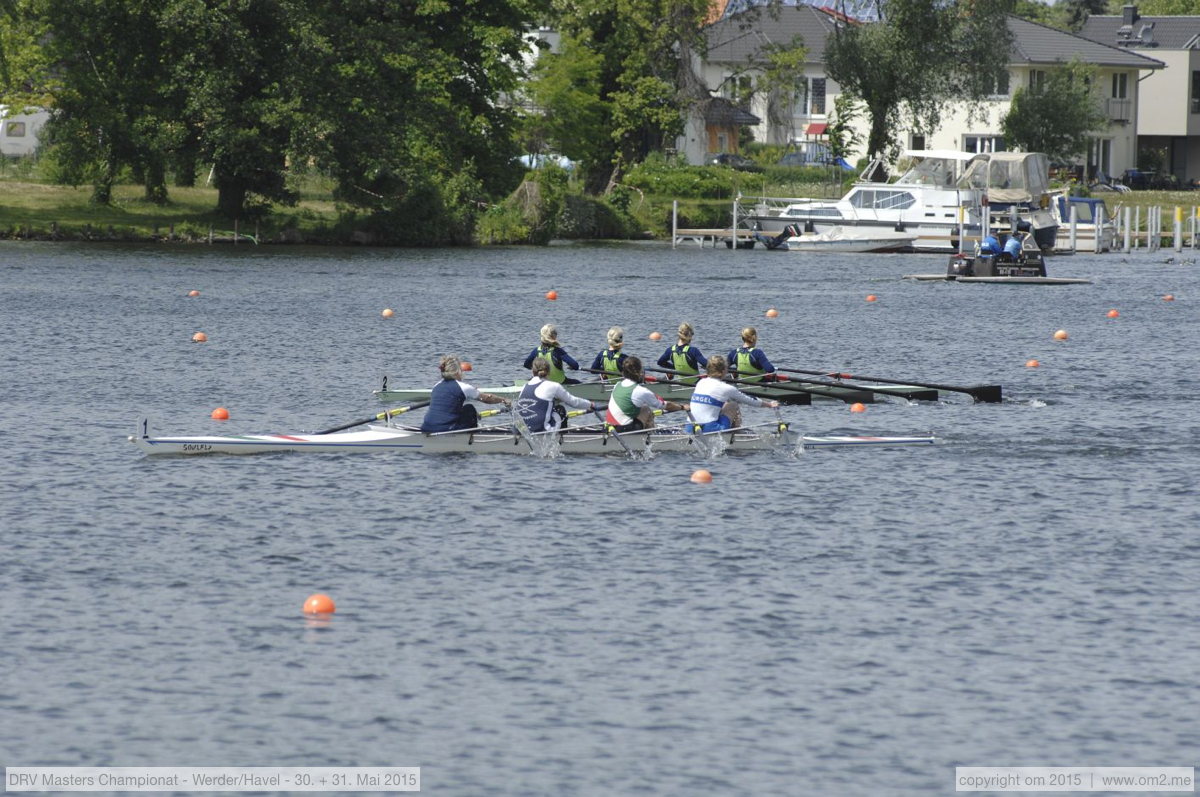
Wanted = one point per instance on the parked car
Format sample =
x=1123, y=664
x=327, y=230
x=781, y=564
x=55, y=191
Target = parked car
x=794, y=159
x=734, y=161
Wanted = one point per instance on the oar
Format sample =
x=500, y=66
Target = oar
x=919, y=395
x=985, y=393
x=380, y=417
x=612, y=433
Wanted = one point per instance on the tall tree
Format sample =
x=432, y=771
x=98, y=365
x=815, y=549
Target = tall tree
x=1056, y=116
x=919, y=57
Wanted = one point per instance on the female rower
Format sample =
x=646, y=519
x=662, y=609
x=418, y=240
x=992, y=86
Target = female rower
x=555, y=354
x=631, y=405
x=749, y=361
x=683, y=358
x=609, y=361
x=539, y=405
x=448, y=408
x=715, y=402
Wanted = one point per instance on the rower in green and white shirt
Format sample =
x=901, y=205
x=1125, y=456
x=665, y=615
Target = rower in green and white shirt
x=631, y=405
x=683, y=358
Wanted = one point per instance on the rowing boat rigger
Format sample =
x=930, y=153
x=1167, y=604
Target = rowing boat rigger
x=508, y=440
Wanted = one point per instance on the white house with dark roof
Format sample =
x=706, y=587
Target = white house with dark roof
x=735, y=43
x=1168, y=116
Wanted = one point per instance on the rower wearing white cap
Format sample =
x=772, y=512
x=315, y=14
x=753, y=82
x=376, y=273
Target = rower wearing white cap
x=539, y=405
x=555, y=354
x=683, y=358
x=609, y=361
x=448, y=408
x=715, y=402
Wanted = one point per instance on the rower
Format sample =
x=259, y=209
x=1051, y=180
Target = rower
x=715, y=402
x=555, y=354
x=684, y=358
x=631, y=405
x=609, y=361
x=448, y=408
x=540, y=403
x=749, y=361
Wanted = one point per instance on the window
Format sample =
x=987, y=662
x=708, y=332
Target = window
x=1195, y=92
x=818, y=96
x=983, y=143
x=1099, y=159
x=882, y=200
x=737, y=88
x=1000, y=87
x=722, y=142
x=1120, y=86
x=14, y=129
x=917, y=142
x=1037, y=79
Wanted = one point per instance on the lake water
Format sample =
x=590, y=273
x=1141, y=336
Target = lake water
x=842, y=622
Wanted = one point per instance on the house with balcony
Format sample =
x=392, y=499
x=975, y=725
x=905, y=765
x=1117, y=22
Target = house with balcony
x=735, y=45
x=1168, y=116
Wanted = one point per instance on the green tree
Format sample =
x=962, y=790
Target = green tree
x=1057, y=116
x=920, y=56
x=24, y=71
x=1162, y=8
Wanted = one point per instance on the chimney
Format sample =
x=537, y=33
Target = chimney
x=1129, y=15
x=716, y=10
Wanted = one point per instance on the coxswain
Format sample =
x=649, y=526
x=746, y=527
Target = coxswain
x=539, y=405
x=749, y=361
x=448, y=408
x=631, y=405
x=609, y=361
x=683, y=358
x=715, y=402
x=555, y=354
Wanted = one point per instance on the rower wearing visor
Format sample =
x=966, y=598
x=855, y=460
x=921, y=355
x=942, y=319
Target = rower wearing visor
x=609, y=361
x=448, y=408
x=553, y=352
x=631, y=405
x=540, y=404
x=715, y=402
x=749, y=361
x=683, y=358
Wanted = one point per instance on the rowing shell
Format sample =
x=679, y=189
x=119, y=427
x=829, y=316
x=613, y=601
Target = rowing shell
x=793, y=393
x=505, y=440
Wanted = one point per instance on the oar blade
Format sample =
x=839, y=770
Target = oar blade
x=990, y=394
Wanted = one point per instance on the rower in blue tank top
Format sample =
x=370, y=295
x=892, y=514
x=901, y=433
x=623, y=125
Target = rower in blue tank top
x=540, y=404
x=448, y=409
x=555, y=354
x=609, y=361
x=749, y=361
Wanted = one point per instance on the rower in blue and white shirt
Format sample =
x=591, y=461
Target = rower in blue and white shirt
x=715, y=403
x=448, y=408
x=538, y=404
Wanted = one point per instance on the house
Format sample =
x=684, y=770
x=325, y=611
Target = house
x=735, y=42
x=19, y=131
x=1168, y=117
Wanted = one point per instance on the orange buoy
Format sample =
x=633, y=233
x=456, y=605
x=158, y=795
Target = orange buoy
x=465, y=366
x=655, y=336
x=319, y=604
x=1032, y=363
x=552, y=295
x=772, y=313
x=858, y=406
x=220, y=414
x=1113, y=314
x=1061, y=335
x=872, y=297
x=388, y=312
x=193, y=294
x=701, y=476
x=199, y=337
x=1170, y=297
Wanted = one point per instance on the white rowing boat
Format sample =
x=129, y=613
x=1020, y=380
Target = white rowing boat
x=507, y=440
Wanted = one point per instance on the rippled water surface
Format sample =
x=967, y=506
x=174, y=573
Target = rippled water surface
x=837, y=623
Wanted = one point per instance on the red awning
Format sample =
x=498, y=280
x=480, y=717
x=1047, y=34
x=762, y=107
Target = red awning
x=816, y=128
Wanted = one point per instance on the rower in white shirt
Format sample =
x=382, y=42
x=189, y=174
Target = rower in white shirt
x=715, y=403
